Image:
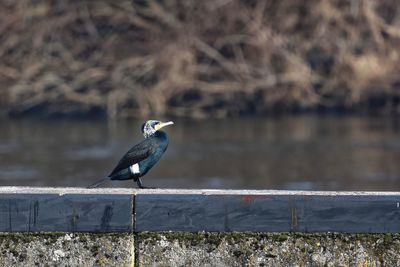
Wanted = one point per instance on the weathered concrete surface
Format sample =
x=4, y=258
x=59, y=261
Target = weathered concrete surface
x=284, y=211
x=66, y=213
x=131, y=212
x=60, y=249
x=250, y=249
x=199, y=249
x=33, y=209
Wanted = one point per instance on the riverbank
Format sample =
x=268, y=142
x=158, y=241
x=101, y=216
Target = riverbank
x=141, y=59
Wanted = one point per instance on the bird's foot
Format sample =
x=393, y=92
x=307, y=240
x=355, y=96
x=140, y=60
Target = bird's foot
x=141, y=186
x=147, y=187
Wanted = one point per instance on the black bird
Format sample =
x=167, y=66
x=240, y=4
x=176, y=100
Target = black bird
x=141, y=157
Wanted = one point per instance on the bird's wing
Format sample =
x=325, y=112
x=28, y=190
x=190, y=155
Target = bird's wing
x=137, y=153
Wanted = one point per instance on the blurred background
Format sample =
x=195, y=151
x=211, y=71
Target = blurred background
x=301, y=95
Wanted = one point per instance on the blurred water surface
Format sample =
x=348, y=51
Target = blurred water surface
x=289, y=152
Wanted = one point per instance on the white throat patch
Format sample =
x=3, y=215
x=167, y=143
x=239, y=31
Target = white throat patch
x=148, y=128
x=135, y=168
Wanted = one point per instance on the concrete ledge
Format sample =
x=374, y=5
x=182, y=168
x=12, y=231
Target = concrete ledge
x=268, y=213
x=27, y=209
x=65, y=213
x=186, y=214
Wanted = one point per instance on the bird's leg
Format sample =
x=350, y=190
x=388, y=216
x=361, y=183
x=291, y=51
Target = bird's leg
x=140, y=185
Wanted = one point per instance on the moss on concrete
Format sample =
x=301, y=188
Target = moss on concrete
x=268, y=249
x=61, y=249
x=200, y=249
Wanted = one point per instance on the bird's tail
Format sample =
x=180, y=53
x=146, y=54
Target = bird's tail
x=99, y=182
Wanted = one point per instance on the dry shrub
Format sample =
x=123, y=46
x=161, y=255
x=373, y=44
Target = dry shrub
x=198, y=58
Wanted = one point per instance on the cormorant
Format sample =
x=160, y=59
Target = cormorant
x=141, y=157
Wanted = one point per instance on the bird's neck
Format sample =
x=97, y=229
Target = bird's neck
x=157, y=134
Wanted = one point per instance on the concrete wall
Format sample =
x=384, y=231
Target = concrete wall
x=66, y=249
x=262, y=249
x=199, y=249
x=124, y=227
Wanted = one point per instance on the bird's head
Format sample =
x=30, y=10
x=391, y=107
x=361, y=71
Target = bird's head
x=150, y=127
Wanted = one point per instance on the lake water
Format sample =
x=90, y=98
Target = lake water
x=288, y=152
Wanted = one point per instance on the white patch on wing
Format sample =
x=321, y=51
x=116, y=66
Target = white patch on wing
x=135, y=168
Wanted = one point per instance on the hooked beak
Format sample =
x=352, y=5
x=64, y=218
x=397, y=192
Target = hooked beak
x=163, y=124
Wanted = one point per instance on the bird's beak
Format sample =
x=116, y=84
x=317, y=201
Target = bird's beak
x=163, y=124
